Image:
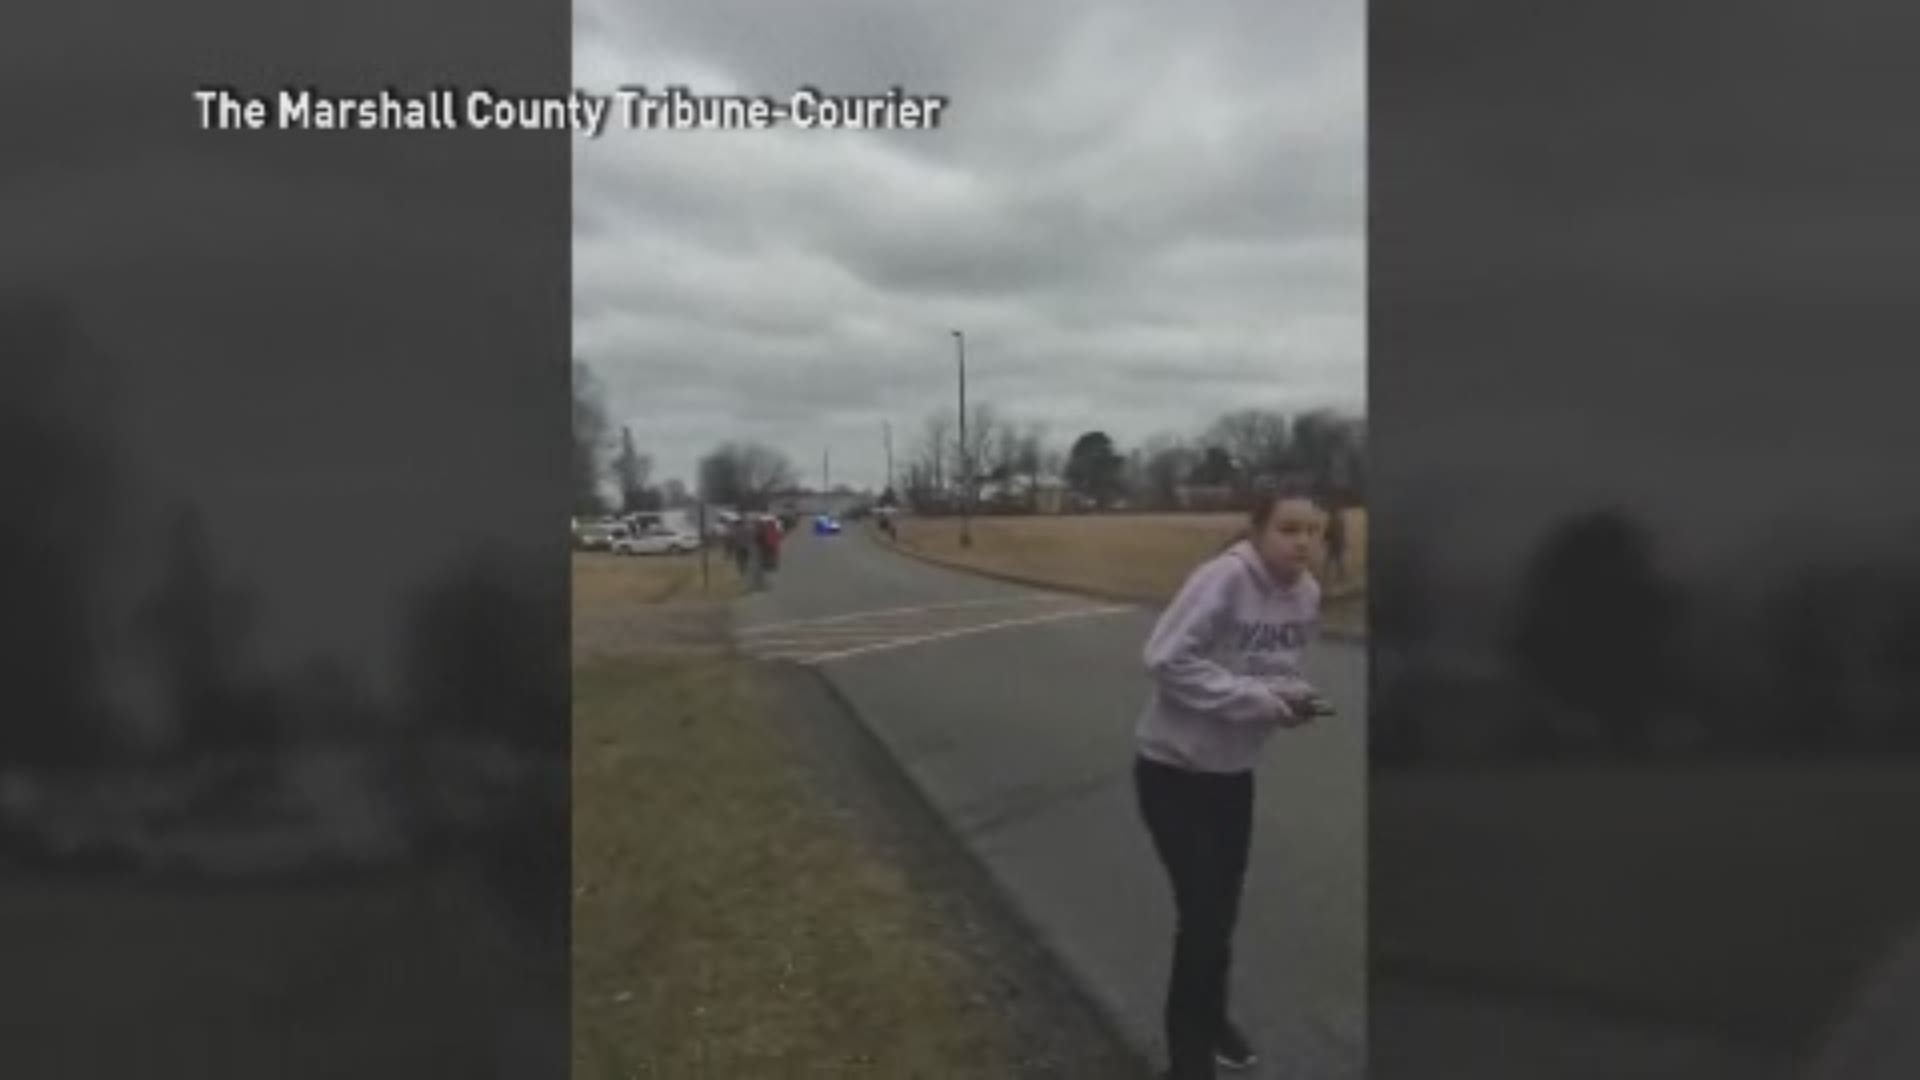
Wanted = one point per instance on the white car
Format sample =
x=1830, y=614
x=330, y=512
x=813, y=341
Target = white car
x=657, y=542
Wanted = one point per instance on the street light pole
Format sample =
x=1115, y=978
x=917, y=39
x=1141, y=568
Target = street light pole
x=886, y=432
x=966, y=466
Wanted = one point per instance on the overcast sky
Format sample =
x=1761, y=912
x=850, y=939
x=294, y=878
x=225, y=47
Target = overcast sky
x=1142, y=215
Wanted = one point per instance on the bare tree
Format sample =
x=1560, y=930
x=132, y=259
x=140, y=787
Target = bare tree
x=1330, y=448
x=934, y=447
x=1133, y=475
x=633, y=469
x=766, y=471
x=1256, y=439
x=918, y=485
x=718, y=479
x=977, y=457
x=590, y=428
x=745, y=475
x=1170, y=462
x=1346, y=477
x=1030, y=460
x=1006, y=452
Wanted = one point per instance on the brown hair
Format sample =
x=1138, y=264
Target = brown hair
x=1267, y=497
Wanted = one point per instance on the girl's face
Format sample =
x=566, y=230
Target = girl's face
x=1291, y=537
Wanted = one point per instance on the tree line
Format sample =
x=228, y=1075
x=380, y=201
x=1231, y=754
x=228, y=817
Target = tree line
x=1002, y=464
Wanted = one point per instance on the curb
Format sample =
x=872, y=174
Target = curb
x=906, y=551
x=1108, y=1018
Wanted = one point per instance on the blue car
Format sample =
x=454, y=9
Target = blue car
x=826, y=525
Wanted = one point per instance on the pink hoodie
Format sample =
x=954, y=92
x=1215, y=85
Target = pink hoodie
x=1221, y=656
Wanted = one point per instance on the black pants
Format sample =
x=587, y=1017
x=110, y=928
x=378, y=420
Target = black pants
x=1201, y=824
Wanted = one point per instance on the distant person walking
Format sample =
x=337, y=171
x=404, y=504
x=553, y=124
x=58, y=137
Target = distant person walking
x=1337, y=546
x=1225, y=661
x=739, y=545
x=771, y=533
x=765, y=543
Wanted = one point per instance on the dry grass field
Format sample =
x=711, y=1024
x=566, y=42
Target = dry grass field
x=1142, y=557
x=601, y=580
x=730, y=920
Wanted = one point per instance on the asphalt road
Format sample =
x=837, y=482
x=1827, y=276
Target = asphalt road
x=1013, y=709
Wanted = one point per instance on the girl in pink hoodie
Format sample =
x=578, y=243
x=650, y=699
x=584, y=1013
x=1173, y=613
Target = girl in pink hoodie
x=1225, y=662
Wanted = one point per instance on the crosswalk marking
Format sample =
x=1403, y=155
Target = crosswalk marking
x=843, y=637
x=881, y=613
x=943, y=635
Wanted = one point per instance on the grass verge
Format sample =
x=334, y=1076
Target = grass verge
x=1137, y=557
x=601, y=580
x=728, y=920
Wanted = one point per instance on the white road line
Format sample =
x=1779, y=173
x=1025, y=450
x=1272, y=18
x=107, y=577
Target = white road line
x=1007, y=624
x=761, y=628
x=891, y=629
x=833, y=638
x=882, y=628
x=798, y=642
x=797, y=657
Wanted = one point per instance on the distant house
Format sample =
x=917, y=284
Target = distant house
x=1047, y=496
x=1204, y=498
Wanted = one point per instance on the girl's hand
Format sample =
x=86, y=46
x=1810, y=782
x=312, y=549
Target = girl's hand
x=1309, y=707
x=1292, y=715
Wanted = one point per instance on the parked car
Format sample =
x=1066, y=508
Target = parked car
x=657, y=542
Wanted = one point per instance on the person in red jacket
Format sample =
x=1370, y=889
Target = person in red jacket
x=767, y=540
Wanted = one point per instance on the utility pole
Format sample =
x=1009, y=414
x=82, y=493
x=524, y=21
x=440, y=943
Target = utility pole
x=886, y=429
x=966, y=469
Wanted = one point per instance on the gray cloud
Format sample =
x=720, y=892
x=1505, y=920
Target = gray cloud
x=1142, y=215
